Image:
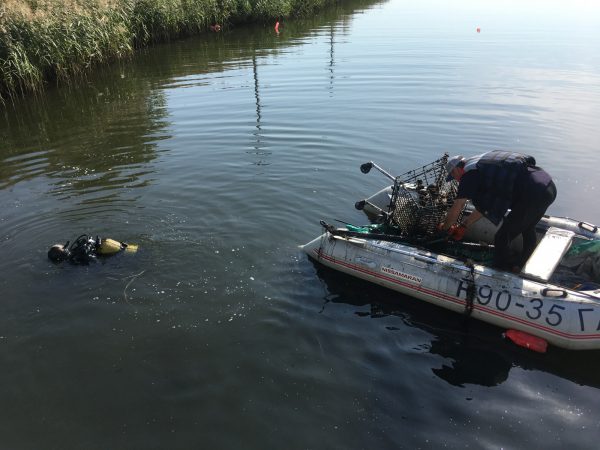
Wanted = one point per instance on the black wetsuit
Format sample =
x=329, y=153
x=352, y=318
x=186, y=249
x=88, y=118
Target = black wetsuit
x=84, y=250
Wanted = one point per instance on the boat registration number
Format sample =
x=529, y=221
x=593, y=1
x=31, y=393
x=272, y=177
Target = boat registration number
x=534, y=308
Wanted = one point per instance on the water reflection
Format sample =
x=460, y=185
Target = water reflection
x=470, y=362
x=101, y=134
x=87, y=142
x=258, y=146
x=331, y=59
x=472, y=352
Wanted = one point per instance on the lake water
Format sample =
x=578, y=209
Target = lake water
x=219, y=155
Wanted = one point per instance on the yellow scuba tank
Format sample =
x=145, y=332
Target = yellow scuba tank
x=110, y=247
x=130, y=248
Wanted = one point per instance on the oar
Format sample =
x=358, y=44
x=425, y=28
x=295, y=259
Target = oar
x=394, y=238
x=339, y=232
x=379, y=236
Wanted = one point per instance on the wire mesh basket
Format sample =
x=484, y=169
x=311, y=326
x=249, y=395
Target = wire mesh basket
x=421, y=198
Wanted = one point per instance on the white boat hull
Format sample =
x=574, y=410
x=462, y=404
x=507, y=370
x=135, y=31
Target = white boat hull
x=565, y=318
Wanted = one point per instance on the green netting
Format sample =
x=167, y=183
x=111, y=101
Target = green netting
x=584, y=246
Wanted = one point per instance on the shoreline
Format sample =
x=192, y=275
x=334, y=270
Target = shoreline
x=43, y=41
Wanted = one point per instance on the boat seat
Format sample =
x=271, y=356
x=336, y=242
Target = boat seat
x=548, y=253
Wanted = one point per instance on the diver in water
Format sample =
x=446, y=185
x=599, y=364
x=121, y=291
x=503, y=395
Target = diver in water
x=85, y=249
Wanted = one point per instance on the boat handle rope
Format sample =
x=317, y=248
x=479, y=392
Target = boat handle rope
x=471, y=288
x=552, y=292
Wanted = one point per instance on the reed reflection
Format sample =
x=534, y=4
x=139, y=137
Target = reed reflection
x=103, y=132
x=91, y=140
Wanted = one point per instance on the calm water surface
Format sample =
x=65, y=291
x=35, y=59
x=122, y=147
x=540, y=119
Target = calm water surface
x=218, y=155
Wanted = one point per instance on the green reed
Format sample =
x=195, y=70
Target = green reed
x=55, y=40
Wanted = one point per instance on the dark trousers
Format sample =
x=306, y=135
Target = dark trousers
x=525, y=213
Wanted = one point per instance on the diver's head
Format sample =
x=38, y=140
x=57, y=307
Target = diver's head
x=58, y=253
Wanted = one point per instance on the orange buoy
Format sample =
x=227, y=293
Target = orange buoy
x=276, y=27
x=478, y=30
x=529, y=341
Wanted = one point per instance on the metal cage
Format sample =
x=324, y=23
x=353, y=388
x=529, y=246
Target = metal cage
x=421, y=198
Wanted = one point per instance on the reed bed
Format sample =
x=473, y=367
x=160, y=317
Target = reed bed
x=47, y=40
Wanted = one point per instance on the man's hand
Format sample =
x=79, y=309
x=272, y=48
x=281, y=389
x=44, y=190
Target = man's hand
x=457, y=231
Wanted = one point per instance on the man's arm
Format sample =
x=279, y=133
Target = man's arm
x=453, y=213
x=473, y=217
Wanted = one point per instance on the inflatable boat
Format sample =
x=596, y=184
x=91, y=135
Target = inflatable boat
x=554, y=298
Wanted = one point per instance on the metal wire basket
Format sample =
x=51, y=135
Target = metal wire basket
x=421, y=198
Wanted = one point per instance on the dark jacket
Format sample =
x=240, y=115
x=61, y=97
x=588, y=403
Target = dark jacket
x=498, y=173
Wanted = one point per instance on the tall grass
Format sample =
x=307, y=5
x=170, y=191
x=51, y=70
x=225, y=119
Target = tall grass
x=46, y=40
